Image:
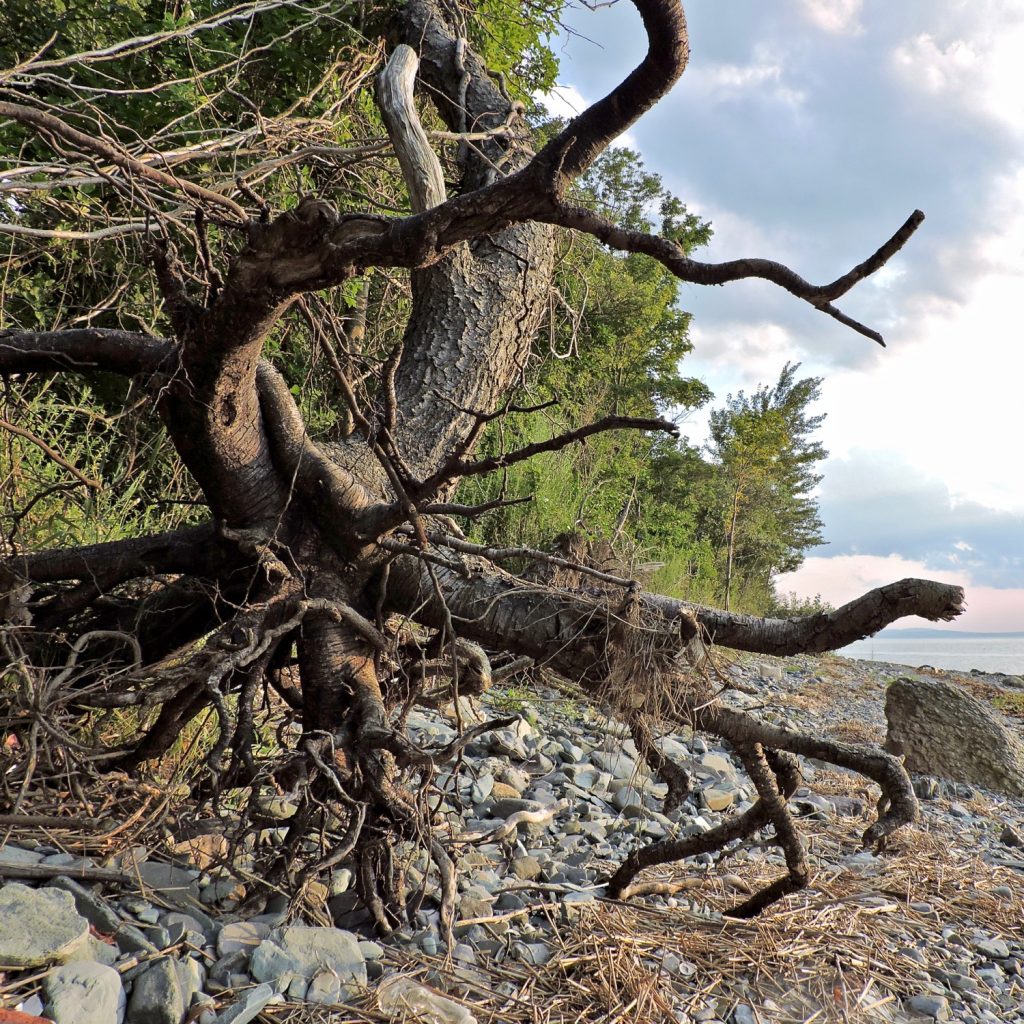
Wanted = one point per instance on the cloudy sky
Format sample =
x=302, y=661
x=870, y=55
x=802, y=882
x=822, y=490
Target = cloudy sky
x=807, y=131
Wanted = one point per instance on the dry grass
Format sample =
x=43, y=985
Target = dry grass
x=831, y=953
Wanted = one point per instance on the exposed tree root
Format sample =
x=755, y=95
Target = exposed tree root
x=676, y=777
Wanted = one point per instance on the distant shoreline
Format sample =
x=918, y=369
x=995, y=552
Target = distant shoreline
x=920, y=632
x=999, y=653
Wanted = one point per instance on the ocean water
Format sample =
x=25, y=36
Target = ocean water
x=986, y=653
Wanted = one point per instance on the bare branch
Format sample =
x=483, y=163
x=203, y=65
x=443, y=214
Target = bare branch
x=180, y=551
x=668, y=253
x=456, y=468
x=500, y=555
x=51, y=125
x=83, y=350
x=420, y=166
x=828, y=631
x=53, y=454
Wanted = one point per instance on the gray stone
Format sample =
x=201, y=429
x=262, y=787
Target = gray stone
x=156, y=996
x=325, y=988
x=629, y=801
x=620, y=765
x=39, y=926
x=96, y=950
x=174, y=884
x=316, y=949
x=994, y=949
x=84, y=993
x=536, y=953
x=505, y=808
x=33, y=1005
x=1009, y=837
x=720, y=765
x=481, y=789
x=241, y=936
x=942, y=730
x=94, y=909
x=132, y=940
x=526, y=868
x=221, y=890
x=936, y=1007
x=15, y=855
x=512, y=776
x=60, y=860
x=191, y=922
x=158, y=935
x=297, y=988
x=191, y=977
x=743, y=1014
x=248, y=1007
x=272, y=964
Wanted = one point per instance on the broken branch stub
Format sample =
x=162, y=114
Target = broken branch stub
x=395, y=97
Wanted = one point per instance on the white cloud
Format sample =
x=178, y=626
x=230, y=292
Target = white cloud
x=763, y=79
x=752, y=353
x=845, y=577
x=974, y=65
x=841, y=17
x=563, y=101
x=947, y=393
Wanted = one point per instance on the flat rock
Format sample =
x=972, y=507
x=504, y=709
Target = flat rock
x=719, y=764
x=942, y=730
x=936, y=1007
x=272, y=964
x=247, y=1008
x=512, y=805
x=172, y=883
x=16, y=855
x=39, y=926
x=325, y=988
x=526, y=868
x=317, y=949
x=84, y=993
x=994, y=949
x=241, y=936
x=619, y=765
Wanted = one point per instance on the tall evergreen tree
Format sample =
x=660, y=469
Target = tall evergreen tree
x=764, y=447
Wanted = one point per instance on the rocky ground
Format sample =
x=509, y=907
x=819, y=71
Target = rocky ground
x=931, y=929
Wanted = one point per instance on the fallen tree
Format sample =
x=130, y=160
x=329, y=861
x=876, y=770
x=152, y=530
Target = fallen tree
x=332, y=580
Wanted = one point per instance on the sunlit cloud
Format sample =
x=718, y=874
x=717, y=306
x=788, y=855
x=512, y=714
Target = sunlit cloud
x=764, y=80
x=979, y=71
x=841, y=17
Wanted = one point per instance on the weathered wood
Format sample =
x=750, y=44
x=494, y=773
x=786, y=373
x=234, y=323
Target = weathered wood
x=420, y=165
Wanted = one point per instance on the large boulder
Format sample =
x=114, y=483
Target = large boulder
x=39, y=927
x=942, y=730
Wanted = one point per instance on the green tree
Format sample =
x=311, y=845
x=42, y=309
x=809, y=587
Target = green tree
x=766, y=456
x=615, y=344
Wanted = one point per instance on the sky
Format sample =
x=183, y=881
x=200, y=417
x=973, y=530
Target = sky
x=807, y=131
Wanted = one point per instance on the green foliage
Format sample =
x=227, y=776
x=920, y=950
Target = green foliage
x=1010, y=704
x=765, y=455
